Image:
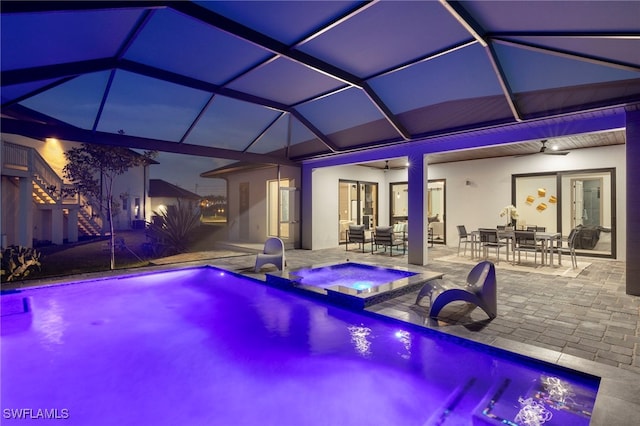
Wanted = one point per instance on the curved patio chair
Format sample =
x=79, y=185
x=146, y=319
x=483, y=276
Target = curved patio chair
x=480, y=291
x=273, y=253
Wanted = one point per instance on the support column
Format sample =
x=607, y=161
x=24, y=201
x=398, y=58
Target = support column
x=418, y=231
x=3, y=238
x=25, y=219
x=57, y=225
x=633, y=200
x=306, y=207
x=72, y=226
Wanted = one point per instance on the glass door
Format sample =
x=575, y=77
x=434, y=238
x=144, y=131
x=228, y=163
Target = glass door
x=280, y=213
x=436, y=217
x=357, y=205
x=583, y=200
x=399, y=202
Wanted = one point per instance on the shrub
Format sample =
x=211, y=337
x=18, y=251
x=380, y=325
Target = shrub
x=17, y=262
x=174, y=228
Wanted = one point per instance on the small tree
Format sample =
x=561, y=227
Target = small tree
x=92, y=170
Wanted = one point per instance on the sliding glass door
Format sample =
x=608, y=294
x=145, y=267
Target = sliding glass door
x=436, y=207
x=399, y=202
x=357, y=205
x=562, y=201
x=436, y=193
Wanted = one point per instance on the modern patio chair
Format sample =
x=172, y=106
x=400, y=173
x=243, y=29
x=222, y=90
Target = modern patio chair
x=489, y=238
x=273, y=254
x=480, y=290
x=384, y=236
x=525, y=241
x=356, y=234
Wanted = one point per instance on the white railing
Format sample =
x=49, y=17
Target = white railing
x=15, y=156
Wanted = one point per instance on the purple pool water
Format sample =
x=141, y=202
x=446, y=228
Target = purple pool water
x=351, y=275
x=205, y=347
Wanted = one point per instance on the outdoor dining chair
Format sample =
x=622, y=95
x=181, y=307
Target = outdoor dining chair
x=525, y=241
x=489, y=239
x=466, y=238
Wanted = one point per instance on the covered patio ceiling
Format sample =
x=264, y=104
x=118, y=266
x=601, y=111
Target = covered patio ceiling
x=278, y=82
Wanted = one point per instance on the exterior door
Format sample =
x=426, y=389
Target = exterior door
x=281, y=213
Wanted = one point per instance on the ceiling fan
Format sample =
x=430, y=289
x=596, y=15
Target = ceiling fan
x=545, y=150
x=389, y=167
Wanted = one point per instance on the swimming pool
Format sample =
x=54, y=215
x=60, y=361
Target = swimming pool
x=202, y=346
x=355, y=285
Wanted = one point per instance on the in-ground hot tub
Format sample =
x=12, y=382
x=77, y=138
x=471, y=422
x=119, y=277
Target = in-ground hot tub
x=353, y=284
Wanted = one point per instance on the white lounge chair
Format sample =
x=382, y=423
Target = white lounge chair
x=273, y=253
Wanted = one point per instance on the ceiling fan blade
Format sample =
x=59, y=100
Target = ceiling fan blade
x=556, y=152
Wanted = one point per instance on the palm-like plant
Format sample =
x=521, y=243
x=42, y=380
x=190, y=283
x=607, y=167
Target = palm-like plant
x=175, y=227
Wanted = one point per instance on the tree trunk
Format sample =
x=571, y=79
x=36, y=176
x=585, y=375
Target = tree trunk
x=112, y=237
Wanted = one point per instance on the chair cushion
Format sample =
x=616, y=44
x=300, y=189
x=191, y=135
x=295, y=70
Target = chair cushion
x=384, y=230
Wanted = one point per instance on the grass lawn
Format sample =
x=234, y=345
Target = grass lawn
x=94, y=256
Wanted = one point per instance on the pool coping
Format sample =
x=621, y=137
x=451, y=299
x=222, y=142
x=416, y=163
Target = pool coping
x=350, y=297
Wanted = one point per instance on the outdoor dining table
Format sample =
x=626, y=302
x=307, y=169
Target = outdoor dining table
x=551, y=242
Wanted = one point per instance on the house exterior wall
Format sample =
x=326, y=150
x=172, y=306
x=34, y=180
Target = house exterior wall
x=255, y=221
x=127, y=188
x=475, y=205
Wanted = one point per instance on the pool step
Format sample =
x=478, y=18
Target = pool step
x=452, y=412
x=514, y=402
x=549, y=401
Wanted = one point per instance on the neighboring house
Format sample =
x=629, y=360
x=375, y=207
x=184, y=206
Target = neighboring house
x=33, y=210
x=164, y=195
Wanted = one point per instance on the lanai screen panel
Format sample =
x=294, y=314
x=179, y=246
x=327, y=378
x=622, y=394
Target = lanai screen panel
x=231, y=124
x=76, y=102
x=150, y=108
